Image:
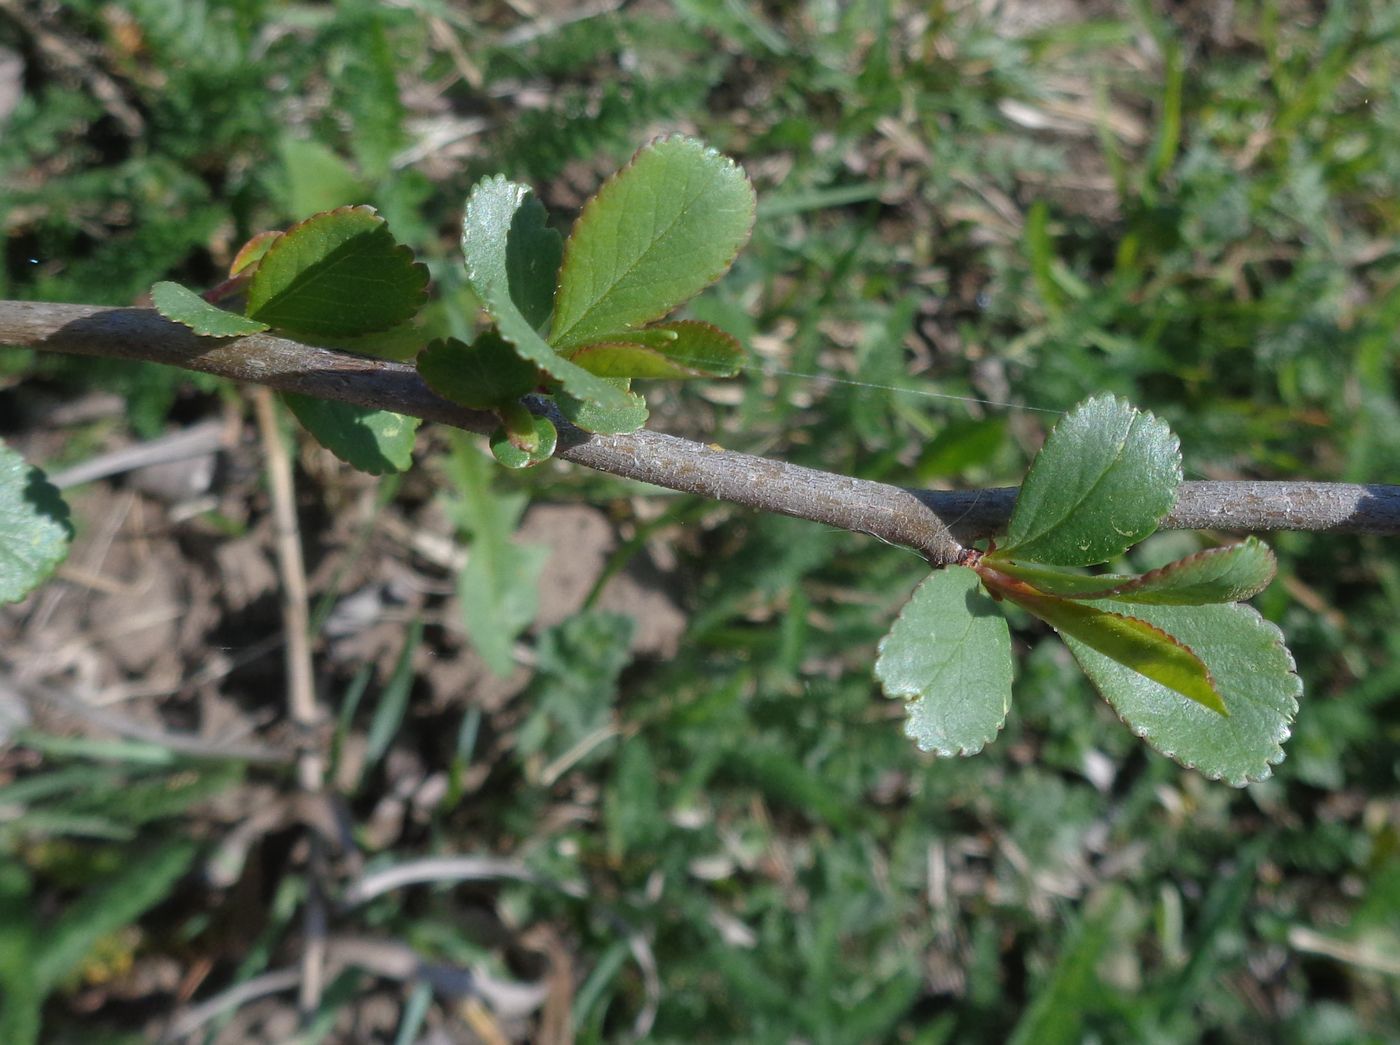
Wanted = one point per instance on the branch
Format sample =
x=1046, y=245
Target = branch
x=934, y=523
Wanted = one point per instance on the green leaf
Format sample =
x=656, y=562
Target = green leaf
x=143, y=881
x=35, y=528
x=528, y=441
x=374, y=441
x=499, y=586
x=1104, y=479
x=1130, y=641
x=337, y=274
x=401, y=343
x=949, y=653
x=694, y=350
x=658, y=232
x=251, y=253
x=533, y=253
x=182, y=305
x=1253, y=671
x=630, y=416
x=481, y=375
x=1228, y=574
x=487, y=229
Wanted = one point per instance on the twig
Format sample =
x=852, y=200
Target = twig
x=196, y=1016
x=195, y=441
x=301, y=691
x=932, y=523
x=434, y=869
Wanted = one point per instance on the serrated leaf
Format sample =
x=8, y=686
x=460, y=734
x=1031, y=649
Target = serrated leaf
x=337, y=274
x=484, y=374
x=1228, y=574
x=629, y=417
x=1129, y=640
x=35, y=527
x=374, y=441
x=182, y=305
x=1104, y=479
x=401, y=343
x=1252, y=669
x=510, y=450
x=694, y=350
x=252, y=252
x=949, y=653
x=533, y=253
x=658, y=232
x=486, y=231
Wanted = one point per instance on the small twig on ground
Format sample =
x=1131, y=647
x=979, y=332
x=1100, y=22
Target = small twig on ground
x=196, y=1016
x=195, y=441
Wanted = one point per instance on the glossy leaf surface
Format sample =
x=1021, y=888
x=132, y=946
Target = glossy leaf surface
x=1132, y=642
x=533, y=253
x=1104, y=479
x=1228, y=574
x=1252, y=669
x=949, y=654
x=486, y=231
x=337, y=274
x=658, y=232
x=692, y=349
x=529, y=441
x=182, y=305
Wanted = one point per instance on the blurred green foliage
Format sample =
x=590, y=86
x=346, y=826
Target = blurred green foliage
x=1196, y=208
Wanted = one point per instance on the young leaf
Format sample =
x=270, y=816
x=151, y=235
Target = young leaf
x=1228, y=574
x=252, y=252
x=1104, y=479
x=481, y=375
x=693, y=350
x=1130, y=641
x=35, y=528
x=949, y=653
x=1252, y=669
x=337, y=274
x=486, y=232
x=182, y=305
x=374, y=441
x=528, y=441
x=630, y=416
x=533, y=253
x=658, y=232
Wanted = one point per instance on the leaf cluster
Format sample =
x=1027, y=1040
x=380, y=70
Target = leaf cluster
x=1204, y=679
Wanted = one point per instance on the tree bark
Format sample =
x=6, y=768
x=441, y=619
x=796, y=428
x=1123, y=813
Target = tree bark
x=937, y=524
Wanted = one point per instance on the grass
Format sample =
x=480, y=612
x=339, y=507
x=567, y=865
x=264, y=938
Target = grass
x=1196, y=210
